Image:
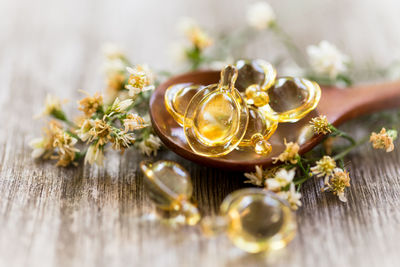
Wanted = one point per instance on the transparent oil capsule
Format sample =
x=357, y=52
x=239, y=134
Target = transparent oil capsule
x=169, y=186
x=255, y=71
x=178, y=96
x=290, y=99
x=215, y=123
x=255, y=220
x=258, y=131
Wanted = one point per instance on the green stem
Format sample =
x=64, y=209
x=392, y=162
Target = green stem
x=349, y=148
x=337, y=132
x=60, y=115
x=305, y=172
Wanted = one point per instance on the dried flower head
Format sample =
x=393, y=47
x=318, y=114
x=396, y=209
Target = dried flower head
x=255, y=178
x=150, y=145
x=65, y=144
x=338, y=183
x=260, y=15
x=43, y=146
x=291, y=196
x=95, y=130
x=281, y=179
x=383, y=140
x=139, y=80
x=95, y=154
x=55, y=144
x=120, y=106
x=134, y=122
x=326, y=59
x=84, y=131
x=320, y=125
x=324, y=167
x=52, y=107
x=196, y=35
x=291, y=153
x=90, y=104
x=122, y=140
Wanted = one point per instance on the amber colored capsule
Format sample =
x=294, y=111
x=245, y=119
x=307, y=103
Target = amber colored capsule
x=261, y=145
x=169, y=186
x=215, y=123
x=291, y=99
x=258, y=131
x=254, y=219
x=257, y=72
x=177, y=98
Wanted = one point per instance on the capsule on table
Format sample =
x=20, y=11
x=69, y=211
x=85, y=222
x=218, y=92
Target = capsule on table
x=169, y=186
x=254, y=219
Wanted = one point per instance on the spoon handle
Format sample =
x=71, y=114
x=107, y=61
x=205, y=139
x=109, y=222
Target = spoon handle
x=340, y=105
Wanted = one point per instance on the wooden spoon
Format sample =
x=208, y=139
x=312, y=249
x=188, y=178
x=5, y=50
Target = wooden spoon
x=339, y=105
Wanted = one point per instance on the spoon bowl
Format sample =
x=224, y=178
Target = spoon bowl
x=338, y=105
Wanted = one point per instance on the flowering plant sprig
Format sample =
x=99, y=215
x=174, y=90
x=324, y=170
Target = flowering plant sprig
x=323, y=63
x=286, y=179
x=198, y=41
x=113, y=122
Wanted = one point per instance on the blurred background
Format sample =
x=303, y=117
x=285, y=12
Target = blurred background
x=57, y=37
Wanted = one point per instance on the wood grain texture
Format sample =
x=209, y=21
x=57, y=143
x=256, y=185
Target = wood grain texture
x=89, y=216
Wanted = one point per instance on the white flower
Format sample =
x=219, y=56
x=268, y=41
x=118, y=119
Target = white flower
x=281, y=179
x=112, y=51
x=256, y=178
x=134, y=122
x=195, y=34
x=150, y=145
x=327, y=59
x=140, y=80
x=38, y=146
x=84, y=132
x=94, y=154
x=291, y=196
x=120, y=106
x=260, y=15
x=122, y=140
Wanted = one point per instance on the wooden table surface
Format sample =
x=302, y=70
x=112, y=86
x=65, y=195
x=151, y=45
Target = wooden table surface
x=90, y=216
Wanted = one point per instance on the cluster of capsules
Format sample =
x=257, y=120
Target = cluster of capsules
x=255, y=220
x=243, y=110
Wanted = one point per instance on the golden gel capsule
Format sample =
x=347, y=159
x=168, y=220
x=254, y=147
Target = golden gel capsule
x=258, y=131
x=215, y=123
x=255, y=220
x=291, y=99
x=178, y=96
x=169, y=186
x=252, y=72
